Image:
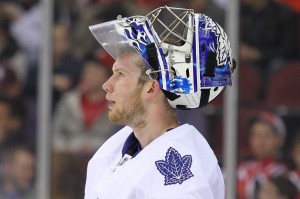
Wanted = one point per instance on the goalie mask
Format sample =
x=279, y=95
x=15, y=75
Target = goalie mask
x=190, y=56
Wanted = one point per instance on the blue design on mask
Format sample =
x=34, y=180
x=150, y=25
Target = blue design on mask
x=212, y=36
x=174, y=168
x=180, y=85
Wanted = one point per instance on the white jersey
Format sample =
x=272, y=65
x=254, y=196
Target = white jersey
x=179, y=165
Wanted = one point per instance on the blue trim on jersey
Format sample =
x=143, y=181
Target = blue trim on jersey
x=130, y=143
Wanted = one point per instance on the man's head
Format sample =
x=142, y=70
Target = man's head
x=267, y=134
x=130, y=92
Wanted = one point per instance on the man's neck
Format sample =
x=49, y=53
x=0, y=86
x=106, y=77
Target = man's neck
x=156, y=125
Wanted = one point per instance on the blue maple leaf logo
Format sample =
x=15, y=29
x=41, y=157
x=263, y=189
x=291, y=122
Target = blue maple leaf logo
x=175, y=168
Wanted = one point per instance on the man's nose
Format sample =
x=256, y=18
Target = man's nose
x=107, y=86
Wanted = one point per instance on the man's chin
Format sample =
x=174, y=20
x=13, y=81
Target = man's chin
x=111, y=116
x=114, y=117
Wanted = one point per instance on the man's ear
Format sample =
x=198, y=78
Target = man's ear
x=153, y=88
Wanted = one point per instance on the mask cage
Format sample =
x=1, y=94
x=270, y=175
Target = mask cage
x=171, y=25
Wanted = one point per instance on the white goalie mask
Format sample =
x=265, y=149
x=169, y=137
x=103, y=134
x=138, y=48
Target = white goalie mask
x=190, y=56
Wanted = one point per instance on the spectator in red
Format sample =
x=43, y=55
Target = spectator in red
x=267, y=135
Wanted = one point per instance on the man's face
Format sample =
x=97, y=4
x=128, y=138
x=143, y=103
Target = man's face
x=124, y=92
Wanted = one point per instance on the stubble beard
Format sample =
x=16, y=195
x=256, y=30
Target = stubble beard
x=133, y=112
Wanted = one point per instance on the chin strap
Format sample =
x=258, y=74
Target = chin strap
x=152, y=59
x=205, y=93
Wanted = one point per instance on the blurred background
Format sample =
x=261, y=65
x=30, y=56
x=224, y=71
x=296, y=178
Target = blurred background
x=268, y=126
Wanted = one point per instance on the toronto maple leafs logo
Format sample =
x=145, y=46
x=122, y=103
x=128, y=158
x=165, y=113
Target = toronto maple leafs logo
x=175, y=168
x=223, y=47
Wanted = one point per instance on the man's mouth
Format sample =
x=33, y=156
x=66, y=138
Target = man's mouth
x=111, y=104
